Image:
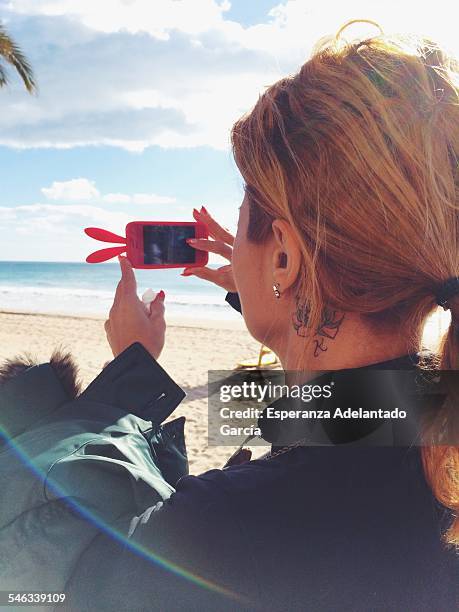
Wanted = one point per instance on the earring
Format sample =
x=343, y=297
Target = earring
x=276, y=290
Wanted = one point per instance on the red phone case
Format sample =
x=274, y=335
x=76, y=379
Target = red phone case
x=134, y=244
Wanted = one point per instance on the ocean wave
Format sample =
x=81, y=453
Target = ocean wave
x=97, y=296
x=54, y=291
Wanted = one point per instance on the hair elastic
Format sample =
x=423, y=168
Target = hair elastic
x=446, y=291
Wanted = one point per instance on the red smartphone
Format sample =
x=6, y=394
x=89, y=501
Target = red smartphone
x=162, y=244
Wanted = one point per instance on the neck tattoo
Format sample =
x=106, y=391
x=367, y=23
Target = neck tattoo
x=326, y=330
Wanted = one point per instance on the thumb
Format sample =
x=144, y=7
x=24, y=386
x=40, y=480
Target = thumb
x=128, y=280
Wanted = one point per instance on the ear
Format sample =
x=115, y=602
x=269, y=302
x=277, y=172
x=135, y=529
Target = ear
x=286, y=260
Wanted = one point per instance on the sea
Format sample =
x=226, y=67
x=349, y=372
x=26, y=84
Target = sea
x=88, y=289
x=84, y=289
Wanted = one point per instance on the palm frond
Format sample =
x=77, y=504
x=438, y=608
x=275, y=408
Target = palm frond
x=3, y=77
x=12, y=54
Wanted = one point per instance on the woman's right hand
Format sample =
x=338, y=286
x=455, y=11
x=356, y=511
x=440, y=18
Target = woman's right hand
x=130, y=321
x=222, y=244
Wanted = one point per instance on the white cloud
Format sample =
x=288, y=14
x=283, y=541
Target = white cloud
x=54, y=232
x=172, y=73
x=190, y=16
x=117, y=198
x=85, y=190
x=107, y=78
x=73, y=190
x=137, y=198
x=64, y=212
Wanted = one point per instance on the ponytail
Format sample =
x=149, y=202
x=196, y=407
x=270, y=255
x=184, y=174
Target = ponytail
x=441, y=462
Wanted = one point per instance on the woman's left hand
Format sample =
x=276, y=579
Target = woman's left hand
x=129, y=321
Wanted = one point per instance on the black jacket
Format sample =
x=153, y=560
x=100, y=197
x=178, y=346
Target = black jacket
x=319, y=528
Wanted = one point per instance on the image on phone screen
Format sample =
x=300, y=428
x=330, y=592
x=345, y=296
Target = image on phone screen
x=165, y=244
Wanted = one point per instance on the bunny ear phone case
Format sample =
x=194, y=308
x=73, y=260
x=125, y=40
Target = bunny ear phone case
x=153, y=244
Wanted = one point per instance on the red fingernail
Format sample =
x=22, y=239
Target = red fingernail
x=190, y=240
x=185, y=272
x=204, y=210
x=161, y=295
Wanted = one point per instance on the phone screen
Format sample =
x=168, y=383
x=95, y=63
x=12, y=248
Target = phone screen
x=165, y=244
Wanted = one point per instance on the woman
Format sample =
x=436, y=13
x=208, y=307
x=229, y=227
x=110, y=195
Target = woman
x=347, y=233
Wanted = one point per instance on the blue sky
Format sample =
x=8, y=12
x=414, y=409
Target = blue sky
x=136, y=100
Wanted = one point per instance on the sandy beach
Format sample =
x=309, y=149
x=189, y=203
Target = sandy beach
x=192, y=348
